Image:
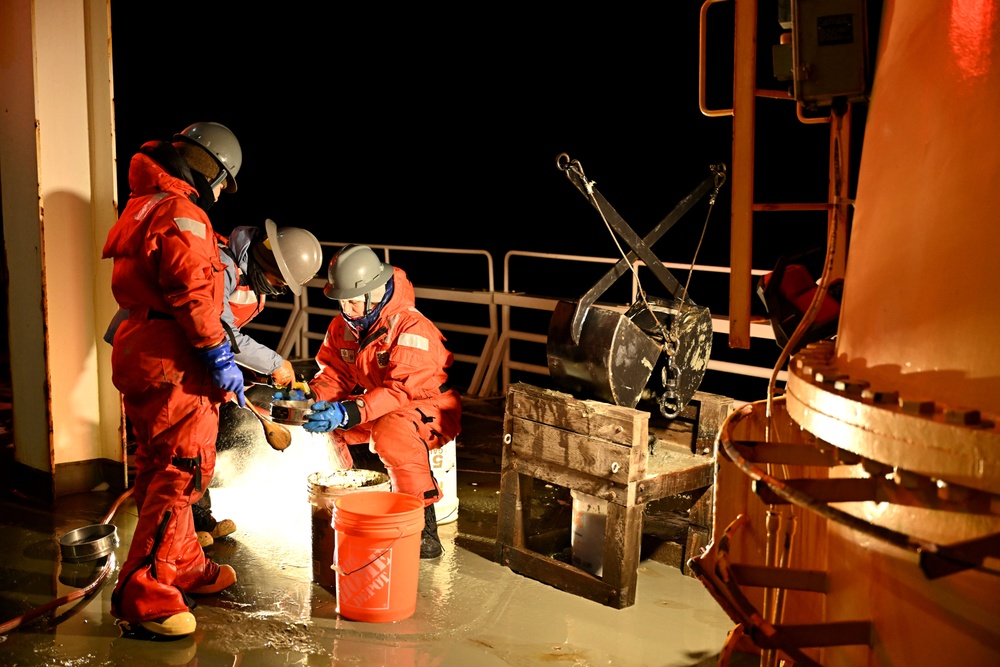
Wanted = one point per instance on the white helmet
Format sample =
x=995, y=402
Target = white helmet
x=297, y=253
x=221, y=143
x=354, y=271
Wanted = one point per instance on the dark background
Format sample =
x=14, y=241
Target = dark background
x=427, y=126
x=411, y=127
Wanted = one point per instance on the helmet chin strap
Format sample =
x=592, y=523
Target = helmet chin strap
x=220, y=179
x=372, y=308
x=206, y=195
x=257, y=277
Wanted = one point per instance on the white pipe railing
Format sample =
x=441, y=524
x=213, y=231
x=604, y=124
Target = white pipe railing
x=491, y=355
x=297, y=332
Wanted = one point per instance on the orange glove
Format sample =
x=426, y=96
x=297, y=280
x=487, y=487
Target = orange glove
x=284, y=374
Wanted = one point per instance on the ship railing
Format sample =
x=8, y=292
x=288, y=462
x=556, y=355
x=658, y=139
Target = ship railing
x=499, y=335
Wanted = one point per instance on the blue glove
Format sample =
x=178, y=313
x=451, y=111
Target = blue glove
x=226, y=375
x=289, y=395
x=325, y=417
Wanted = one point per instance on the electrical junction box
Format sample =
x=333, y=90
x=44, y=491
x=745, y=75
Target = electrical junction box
x=829, y=51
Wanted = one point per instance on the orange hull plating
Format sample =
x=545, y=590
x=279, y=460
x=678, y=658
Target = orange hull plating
x=897, y=418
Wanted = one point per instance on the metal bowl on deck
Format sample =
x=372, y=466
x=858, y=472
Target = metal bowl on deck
x=290, y=412
x=88, y=543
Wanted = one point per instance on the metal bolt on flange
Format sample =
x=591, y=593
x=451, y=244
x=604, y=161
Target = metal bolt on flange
x=810, y=370
x=880, y=396
x=962, y=416
x=801, y=360
x=849, y=386
x=828, y=376
x=921, y=406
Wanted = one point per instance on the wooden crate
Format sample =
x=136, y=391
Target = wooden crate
x=603, y=450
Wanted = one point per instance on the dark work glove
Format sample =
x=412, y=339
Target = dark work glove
x=325, y=417
x=226, y=375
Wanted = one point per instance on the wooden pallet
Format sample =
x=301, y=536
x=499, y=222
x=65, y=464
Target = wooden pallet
x=606, y=451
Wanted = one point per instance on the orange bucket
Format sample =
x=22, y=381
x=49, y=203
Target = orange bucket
x=324, y=487
x=377, y=555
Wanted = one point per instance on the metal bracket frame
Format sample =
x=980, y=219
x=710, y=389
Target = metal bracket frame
x=640, y=247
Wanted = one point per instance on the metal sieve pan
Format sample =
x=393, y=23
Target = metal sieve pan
x=290, y=412
x=88, y=543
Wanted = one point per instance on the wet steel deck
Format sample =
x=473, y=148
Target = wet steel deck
x=470, y=610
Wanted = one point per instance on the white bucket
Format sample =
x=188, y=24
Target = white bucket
x=590, y=516
x=445, y=471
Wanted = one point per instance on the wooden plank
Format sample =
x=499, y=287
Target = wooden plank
x=605, y=451
x=702, y=512
x=696, y=428
x=587, y=454
x=563, y=577
x=676, y=435
x=510, y=515
x=668, y=460
x=593, y=419
x=622, y=544
x=669, y=553
x=698, y=539
x=692, y=475
x=699, y=535
x=670, y=483
x=574, y=479
x=712, y=412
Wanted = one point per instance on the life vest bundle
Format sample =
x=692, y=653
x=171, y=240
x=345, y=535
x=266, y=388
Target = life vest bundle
x=787, y=293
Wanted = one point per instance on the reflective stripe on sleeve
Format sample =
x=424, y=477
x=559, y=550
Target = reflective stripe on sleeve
x=414, y=340
x=242, y=296
x=199, y=229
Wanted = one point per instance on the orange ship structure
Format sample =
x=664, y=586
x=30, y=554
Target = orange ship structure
x=857, y=512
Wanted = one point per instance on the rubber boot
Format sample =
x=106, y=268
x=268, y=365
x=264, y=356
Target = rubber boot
x=225, y=578
x=178, y=625
x=223, y=528
x=430, y=545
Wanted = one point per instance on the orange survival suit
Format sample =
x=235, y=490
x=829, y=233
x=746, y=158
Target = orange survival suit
x=168, y=275
x=393, y=383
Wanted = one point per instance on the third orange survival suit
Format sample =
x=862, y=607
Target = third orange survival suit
x=393, y=383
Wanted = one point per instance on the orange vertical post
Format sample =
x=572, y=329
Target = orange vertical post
x=741, y=242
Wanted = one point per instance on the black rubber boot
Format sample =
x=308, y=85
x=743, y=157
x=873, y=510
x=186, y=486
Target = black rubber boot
x=202, y=512
x=430, y=545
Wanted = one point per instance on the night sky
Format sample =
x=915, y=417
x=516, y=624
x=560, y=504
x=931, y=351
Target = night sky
x=422, y=126
x=431, y=129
